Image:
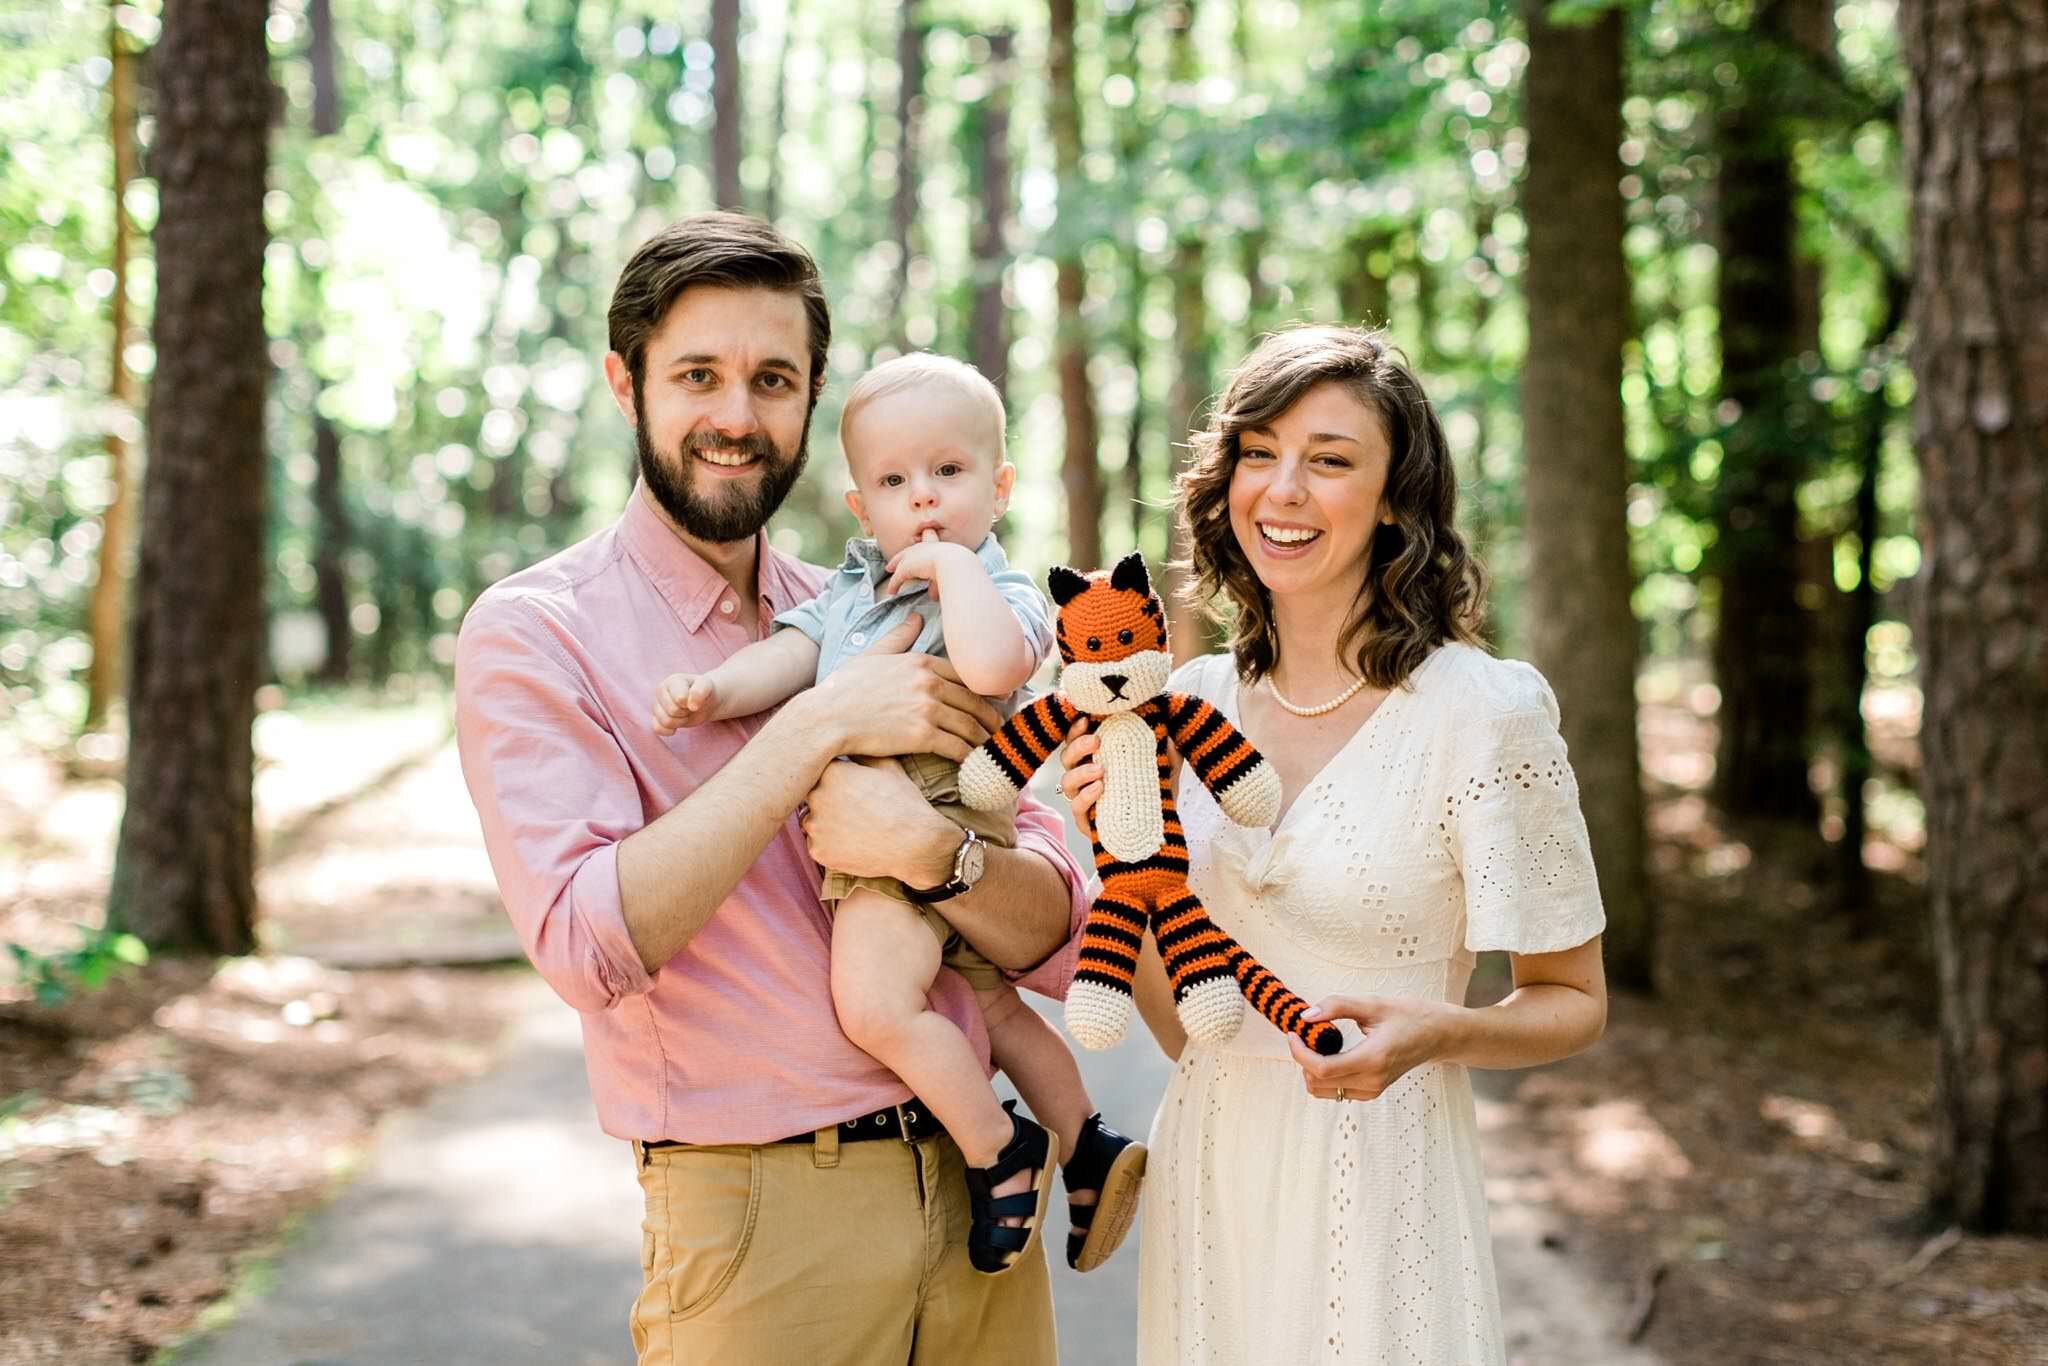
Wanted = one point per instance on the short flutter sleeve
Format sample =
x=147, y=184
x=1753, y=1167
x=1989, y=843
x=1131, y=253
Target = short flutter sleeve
x=1513, y=820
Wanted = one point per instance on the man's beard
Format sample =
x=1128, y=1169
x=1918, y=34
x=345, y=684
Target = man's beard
x=736, y=514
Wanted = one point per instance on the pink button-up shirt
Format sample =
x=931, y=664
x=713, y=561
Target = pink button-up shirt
x=733, y=1040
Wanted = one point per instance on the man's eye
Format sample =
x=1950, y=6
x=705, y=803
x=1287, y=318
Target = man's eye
x=775, y=381
x=697, y=376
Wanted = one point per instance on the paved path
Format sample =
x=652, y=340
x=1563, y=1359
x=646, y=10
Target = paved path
x=498, y=1227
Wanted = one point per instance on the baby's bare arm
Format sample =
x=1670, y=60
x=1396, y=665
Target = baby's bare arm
x=763, y=675
x=984, y=639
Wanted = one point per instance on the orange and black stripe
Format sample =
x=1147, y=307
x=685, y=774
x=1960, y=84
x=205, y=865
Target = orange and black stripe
x=1031, y=737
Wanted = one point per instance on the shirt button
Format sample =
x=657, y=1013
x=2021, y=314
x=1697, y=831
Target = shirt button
x=859, y=637
x=726, y=607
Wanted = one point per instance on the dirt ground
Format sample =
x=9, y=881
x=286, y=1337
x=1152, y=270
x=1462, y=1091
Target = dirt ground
x=1748, y=1153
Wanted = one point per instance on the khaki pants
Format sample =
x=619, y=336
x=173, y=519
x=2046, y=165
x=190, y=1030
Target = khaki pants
x=824, y=1254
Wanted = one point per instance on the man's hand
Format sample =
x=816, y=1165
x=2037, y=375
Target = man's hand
x=885, y=702
x=869, y=820
x=683, y=700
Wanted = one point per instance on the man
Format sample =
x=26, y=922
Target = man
x=800, y=1207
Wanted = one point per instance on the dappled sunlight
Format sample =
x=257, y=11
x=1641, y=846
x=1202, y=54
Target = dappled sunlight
x=1619, y=1138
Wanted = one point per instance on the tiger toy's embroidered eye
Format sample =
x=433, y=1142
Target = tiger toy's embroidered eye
x=1095, y=642
x=1123, y=637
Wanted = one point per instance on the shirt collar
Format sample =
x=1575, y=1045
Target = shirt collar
x=685, y=580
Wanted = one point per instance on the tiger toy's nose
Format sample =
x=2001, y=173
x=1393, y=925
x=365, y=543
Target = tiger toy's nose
x=1115, y=683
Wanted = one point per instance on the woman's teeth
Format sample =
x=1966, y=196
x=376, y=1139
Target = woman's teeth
x=1288, y=535
x=731, y=459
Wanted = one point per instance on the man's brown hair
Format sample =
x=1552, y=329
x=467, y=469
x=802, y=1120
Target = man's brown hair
x=726, y=250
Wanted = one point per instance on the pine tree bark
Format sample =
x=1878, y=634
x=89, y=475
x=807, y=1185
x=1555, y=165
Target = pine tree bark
x=330, y=551
x=771, y=203
x=107, y=617
x=184, y=866
x=989, y=328
x=1582, y=634
x=727, y=108
x=1080, y=472
x=903, y=205
x=1977, y=159
x=1764, y=644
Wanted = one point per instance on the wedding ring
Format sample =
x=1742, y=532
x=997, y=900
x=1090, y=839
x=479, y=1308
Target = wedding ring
x=1340, y=1093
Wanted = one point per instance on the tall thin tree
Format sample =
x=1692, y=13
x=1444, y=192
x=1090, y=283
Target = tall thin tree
x=727, y=108
x=107, y=616
x=989, y=330
x=1582, y=634
x=1080, y=471
x=910, y=33
x=1977, y=159
x=184, y=868
x=1187, y=280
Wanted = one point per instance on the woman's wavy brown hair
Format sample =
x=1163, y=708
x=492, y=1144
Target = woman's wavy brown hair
x=1422, y=587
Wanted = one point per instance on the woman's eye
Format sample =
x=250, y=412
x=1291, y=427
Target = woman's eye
x=1123, y=637
x=1095, y=642
x=1254, y=453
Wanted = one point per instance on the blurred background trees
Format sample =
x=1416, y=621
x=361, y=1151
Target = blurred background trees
x=1670, y=359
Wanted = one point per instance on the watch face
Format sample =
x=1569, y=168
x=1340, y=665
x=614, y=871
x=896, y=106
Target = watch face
x=971, y=856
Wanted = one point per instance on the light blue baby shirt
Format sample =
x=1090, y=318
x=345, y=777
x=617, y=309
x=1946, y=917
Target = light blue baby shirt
x=847, y=616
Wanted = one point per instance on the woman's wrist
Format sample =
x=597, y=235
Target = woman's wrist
x=1450, y=1031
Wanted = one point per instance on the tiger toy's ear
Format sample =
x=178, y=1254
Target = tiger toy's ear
x=1130, y=574
x=1066, y=585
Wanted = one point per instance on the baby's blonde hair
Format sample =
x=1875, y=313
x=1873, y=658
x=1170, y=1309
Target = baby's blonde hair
x=920, y=368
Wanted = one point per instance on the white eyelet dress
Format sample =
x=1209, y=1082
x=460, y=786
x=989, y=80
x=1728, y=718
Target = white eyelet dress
x=1283, y=1228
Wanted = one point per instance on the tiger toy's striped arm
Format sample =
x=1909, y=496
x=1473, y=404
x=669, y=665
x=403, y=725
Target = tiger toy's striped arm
x=1245, y=785
x=993, y=775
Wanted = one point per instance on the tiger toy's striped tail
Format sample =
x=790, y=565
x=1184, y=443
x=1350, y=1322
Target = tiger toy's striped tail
x=1112, y=636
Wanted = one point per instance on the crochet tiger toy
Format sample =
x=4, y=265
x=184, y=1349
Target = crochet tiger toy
x=1113, y=643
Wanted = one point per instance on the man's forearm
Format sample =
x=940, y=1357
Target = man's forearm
x=676, y=871
x=1017, y=915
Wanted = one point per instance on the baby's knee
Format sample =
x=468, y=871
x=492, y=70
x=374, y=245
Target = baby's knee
x=867, y=1017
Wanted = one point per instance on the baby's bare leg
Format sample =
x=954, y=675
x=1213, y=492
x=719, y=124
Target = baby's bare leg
x=1038, y=1063
x=883, y=963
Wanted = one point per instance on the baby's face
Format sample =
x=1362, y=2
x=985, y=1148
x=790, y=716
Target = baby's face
x=922, y=459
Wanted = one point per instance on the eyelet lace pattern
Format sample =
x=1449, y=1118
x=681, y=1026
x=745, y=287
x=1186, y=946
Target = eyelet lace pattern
x=1280, y=1227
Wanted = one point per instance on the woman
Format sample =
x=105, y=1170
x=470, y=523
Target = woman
x=1311, y=1209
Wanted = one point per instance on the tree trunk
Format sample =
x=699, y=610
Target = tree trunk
x=1764, y=642
x=330, y=551
x=727, y=110
x=1362, y=291
x=107, y=617
x=903, y=205
x=1080, y=472
x=1131, y=136
x=990, y=328
x=771, y=207
x=320, y=56
x=1582, y=634
x=184, y=867
x=1976, y=156
x=1192, y=380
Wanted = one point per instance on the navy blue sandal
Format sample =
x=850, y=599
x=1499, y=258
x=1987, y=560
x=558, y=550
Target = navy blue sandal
x=1113, y=1167
x=994, y=1248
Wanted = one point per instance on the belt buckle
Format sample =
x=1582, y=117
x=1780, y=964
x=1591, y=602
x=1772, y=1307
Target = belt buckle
x=904, y=1119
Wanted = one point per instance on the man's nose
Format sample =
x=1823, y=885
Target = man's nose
x=733, y=414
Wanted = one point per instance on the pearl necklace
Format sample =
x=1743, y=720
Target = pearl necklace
x=1339, y=700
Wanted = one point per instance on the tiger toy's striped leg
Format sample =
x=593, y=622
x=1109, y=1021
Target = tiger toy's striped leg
x=1213, y=976
x=1099, y=1000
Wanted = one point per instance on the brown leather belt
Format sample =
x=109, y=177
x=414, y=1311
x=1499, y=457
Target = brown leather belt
x=910, y=1122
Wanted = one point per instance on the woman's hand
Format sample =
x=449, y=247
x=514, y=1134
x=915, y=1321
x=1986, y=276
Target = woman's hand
x=1081, y=784
x=1402, y=1033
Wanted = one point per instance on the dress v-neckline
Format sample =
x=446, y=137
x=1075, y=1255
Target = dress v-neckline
x=1235, y=713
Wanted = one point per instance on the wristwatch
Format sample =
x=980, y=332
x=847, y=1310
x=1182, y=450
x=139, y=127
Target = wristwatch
x=969, y=861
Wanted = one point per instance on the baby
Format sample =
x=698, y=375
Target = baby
x=924, y=442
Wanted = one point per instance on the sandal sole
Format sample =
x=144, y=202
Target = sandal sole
x=1116, y=1209
x=1037, y=1220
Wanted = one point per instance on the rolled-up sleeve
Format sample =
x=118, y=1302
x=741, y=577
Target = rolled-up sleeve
x=1041, y=830
x=555, y=797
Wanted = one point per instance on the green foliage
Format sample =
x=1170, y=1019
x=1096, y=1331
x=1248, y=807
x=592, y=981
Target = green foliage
x=54, y=978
